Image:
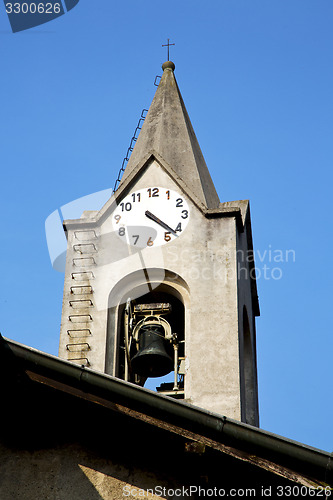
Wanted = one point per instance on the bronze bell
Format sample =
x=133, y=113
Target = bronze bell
x=152, y=360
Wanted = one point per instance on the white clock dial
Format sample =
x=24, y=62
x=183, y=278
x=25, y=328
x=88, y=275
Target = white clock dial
x=151, y=217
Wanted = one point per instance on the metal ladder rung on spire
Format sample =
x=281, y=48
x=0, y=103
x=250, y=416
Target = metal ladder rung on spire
x=130, y=148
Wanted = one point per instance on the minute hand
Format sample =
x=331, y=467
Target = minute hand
x=160, y=222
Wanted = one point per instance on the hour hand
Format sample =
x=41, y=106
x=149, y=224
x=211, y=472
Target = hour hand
x=160, y=222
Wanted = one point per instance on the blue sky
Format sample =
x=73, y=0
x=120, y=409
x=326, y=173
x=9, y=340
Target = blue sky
x=257, y=78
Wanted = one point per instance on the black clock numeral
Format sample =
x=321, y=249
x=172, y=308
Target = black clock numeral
x=179, y=228
x=136, y=236
x=179, y=202
x=153, y=192
x=121, y=231
x=136, y=197
x=126, y=206
x=185, y=214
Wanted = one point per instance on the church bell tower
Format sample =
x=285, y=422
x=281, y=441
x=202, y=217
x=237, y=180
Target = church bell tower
x=161, y=280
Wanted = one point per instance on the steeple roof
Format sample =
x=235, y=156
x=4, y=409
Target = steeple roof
x=168, y=131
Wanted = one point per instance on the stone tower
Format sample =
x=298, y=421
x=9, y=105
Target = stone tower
x=165, y=244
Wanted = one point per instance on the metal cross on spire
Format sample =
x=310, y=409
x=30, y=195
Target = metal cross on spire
x=168, y=45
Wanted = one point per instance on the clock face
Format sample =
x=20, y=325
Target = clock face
x=151, y=217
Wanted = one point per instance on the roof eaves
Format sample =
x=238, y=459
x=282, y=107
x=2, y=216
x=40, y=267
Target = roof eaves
x=312, y=462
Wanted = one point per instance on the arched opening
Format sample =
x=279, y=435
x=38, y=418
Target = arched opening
x=248, y=372
x=146, y=332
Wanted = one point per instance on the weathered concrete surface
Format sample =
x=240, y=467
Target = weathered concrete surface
x=204, y=263
x=70, y=473
x=167, y=130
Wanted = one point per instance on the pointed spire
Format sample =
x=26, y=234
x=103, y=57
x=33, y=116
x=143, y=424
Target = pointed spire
x=167, y=130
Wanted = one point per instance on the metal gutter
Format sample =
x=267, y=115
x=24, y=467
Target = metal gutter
x=305, y=459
